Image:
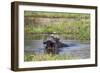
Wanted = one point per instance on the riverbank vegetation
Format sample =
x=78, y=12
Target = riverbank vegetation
x=46, y=57
x=70, y=25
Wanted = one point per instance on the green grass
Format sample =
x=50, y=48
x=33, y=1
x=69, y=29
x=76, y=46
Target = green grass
x=77, y=28
x=47, y=57
x=55, y=14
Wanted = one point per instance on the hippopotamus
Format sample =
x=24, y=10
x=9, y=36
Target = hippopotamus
x=53, y=44
x=50, y=47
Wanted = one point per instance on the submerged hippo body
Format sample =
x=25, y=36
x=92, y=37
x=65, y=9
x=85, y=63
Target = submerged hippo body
x=53, y=44
x=53, y=47
x=61, y=45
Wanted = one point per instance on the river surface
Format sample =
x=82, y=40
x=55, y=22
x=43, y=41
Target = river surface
x=76, y=48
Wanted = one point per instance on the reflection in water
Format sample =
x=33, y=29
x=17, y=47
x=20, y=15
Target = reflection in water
x=81, y=50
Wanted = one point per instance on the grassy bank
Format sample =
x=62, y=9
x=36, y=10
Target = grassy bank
x=74, y=26
x=46, y=57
